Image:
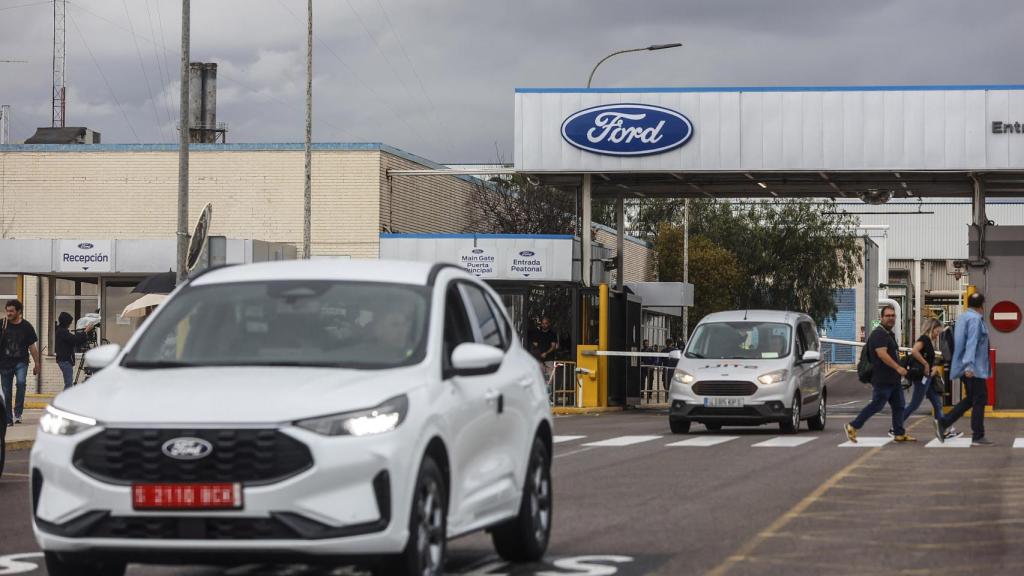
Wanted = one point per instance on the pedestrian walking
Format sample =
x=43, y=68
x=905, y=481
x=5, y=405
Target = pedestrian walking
x=543, y=344
x=922, y=372
x=647, y=364
x=971, y=364
x=886, y=379
x=17, y=341
x=65, y=344
x=669, y=364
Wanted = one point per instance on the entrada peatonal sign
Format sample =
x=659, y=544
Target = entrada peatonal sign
x=1007, y=128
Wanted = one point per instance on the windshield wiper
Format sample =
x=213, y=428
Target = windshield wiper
x=694, y=355
x=158, y=364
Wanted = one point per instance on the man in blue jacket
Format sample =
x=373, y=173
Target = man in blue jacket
x=970, y=362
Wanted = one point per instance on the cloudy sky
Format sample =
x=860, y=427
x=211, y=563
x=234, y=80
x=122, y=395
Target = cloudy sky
x=436, y=77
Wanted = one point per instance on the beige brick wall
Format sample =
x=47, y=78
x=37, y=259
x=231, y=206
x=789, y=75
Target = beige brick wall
x=255, y=194
x=426, y=203
x=639, y=258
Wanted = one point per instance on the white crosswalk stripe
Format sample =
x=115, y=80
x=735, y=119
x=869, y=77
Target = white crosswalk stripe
x=1018, y=443
x=560, y=439
x=867, y=442
x=623, y=441
x=949, y=443
x=704, y=441
x=785, y=442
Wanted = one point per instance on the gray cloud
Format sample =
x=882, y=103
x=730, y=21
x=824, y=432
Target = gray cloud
x=469, y=56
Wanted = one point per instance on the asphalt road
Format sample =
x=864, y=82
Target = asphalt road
x=643, y=507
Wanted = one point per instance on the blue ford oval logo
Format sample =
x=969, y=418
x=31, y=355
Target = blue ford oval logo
x=478, y=250
x=526, y=253
x=627, y=129
x=85, y=246
x=187, y=448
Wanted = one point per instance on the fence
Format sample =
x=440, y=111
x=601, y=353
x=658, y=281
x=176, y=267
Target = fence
x=563, y=384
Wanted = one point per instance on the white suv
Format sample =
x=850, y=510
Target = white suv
x=362, y=412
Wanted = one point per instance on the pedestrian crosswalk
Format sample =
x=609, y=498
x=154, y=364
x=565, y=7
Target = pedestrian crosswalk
x=753, y=441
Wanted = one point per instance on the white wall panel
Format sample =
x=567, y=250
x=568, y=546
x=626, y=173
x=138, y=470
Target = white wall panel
x=790, y=130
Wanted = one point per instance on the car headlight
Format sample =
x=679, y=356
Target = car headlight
x=771, y=378
x=377, y=420
x=60, y=423
x=683, y=377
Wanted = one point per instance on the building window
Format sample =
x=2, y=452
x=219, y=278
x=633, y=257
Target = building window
x=8, y=287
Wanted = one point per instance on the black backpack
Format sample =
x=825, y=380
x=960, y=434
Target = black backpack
x=864, y=365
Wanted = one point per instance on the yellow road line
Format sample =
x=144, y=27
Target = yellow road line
x=745, y=551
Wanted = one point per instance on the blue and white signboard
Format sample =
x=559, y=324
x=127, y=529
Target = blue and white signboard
x=85, y=256
x=547, y=257
x=627, y=129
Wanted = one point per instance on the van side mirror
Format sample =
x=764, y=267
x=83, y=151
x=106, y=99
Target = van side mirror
x=811, y=356
x=675, y=354
x=472, y=359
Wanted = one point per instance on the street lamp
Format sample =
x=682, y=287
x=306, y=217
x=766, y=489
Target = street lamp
x=651, y=47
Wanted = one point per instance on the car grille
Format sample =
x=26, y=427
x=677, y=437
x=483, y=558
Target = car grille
x=724, y=388
x=250, y=456
x=743, y=412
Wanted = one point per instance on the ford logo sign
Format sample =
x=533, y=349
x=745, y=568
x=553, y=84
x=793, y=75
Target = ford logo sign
x=478, y=250
x=526, y=253
x=627, y=129
x=187, y=448
x=85, y=246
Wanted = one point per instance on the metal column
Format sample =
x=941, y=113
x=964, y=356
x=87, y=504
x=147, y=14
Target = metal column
x=585, y=273
x=620, y=243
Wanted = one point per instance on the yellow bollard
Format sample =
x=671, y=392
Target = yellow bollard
x=588, y=371
x=602, y=344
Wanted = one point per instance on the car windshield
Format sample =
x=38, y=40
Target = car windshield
x=288, y=323
x=739, y=340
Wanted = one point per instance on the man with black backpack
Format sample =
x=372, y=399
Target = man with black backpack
x=885, y=375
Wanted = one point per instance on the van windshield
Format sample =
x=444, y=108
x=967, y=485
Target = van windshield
x=740, y=340
x=364, y=325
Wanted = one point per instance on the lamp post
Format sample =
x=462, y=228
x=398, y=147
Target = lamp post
x=651, y=47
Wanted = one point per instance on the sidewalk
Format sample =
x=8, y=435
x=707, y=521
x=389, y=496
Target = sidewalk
x=22, y=436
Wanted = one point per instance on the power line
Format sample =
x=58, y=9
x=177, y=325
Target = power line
x=377, y=95
x=48, y=2
x=391, y=65
x=145, y=75
x=113, y=96
x=337, y=130
x=416, y=74
x=159, y=65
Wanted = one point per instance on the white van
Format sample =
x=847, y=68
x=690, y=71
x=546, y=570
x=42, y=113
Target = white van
x=750, y=367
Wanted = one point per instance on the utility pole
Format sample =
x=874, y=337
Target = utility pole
x=183, y=136
x=59, y=43
x=307, y=204
x=686, y=263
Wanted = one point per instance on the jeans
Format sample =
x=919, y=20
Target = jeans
x=976, y=399
x=923, y=388
x=15, y=405
x=880, y=394
x=67, y=369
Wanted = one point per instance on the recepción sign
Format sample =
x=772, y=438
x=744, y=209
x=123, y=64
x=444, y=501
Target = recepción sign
x=85, y=256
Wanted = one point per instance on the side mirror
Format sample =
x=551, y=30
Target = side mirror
x=675, y=354
x=811, y=356
x=471, y=359
x=101, y=356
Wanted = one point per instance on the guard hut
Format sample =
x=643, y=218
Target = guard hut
x=867, y=142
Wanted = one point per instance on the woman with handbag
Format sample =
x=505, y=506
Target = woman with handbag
x=921, y=372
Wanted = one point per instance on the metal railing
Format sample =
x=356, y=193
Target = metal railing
x=653, y=384
x=564, y=384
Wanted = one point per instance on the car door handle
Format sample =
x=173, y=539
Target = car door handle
x=493, y=396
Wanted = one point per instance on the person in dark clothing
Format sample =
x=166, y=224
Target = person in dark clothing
x=668, y=363
x=17, y=341
x=886, y=379
x=543, y=345
x=923, y=354
x=65, y=345
x=647, y=363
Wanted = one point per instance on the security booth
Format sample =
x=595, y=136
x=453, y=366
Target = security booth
x=83, y=276
x=871, y=143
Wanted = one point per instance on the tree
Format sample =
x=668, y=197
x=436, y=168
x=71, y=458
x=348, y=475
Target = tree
x=716, y=273
x=514, y=205
x=794, y=257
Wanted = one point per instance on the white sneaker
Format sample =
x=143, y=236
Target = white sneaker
x=953, y=433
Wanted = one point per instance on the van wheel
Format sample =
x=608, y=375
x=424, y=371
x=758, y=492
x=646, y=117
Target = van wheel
x=818, y=421
x=792, y=424
x=62, y=565
x=525, y=537
x=424, y=553
x=679, y=426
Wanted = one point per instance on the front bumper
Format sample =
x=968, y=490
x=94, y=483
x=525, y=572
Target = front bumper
x=749, y=414
x=345, y=504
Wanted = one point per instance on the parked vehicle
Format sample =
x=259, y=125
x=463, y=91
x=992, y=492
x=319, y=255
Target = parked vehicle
x=750, y=367
x=363, y=411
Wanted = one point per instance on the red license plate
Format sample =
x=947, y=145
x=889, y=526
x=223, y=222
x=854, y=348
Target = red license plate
x=200, y=496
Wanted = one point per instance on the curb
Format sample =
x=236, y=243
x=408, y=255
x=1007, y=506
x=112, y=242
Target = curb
x=568, y=410
x=20, y=445
x=36, y=405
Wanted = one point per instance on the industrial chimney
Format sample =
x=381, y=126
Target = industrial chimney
x=202, y=105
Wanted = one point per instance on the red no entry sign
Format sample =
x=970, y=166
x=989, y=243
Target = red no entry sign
x=1005, y=316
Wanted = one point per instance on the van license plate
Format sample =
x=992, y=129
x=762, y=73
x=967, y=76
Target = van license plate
x=723, y=402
